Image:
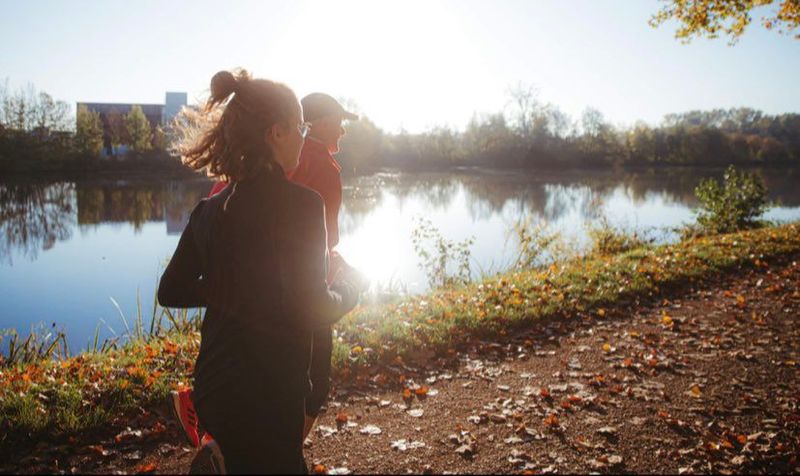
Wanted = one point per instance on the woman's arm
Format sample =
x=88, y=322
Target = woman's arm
x=303, y=254
x=181, y=284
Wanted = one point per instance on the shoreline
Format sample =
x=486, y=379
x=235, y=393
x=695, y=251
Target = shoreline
x=73, y=398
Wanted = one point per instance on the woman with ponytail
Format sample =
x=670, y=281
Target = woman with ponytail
x=255, y=256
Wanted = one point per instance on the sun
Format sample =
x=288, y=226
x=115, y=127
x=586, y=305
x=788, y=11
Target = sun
x=406, y=64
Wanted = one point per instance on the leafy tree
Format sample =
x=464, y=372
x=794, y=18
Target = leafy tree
x=50, y=114
x=160, y=140
x=88, y=131
x=709, y=18
x=116, y=128
x=361, y=145
x=733, y=205
x=138, y=127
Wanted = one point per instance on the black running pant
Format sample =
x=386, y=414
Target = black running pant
x=320, y=371
x=257, y=434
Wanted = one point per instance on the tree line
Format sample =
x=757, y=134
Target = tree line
x=532, y=133
x=39, y=132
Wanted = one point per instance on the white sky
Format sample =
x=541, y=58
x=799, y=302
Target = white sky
x=411, y=64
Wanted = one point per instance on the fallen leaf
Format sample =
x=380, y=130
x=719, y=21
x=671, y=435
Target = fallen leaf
x=341, y=418
x=319, y=469
x=404, y=445
x=407, y=395
x=370, y=430
x=607, y=430
x=146, y=468
x=551, y=421
x=466, y=450
x=416, y=412
x=497, y=418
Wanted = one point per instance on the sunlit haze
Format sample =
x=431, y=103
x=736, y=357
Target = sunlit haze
x=411, y=65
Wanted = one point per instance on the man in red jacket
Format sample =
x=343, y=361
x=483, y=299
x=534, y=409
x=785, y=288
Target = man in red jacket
x=319, y=171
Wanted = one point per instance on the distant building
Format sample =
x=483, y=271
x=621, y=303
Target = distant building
x=173, y=105
x=112, y=114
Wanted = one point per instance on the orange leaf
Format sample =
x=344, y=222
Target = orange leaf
x=341, y=418
x=170, y=347
x=422, y=391
x=407, y=395
x=146, y=468
x=627, y=362
x=551, y=420
x=320, y=469
x=544, y=392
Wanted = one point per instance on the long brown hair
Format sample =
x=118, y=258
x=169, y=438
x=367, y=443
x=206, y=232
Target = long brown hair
x=226, y=137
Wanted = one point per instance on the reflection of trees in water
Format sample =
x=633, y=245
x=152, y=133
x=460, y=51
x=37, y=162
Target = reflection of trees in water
x=140, y=202
x=34, y=216
x=547, y=194
x=135, y=204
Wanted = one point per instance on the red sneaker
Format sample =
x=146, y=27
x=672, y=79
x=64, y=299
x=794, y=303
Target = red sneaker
x=183, y=410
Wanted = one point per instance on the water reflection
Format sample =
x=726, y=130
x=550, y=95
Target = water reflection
x=549, y=196
x=35, y=216
x=67, y=247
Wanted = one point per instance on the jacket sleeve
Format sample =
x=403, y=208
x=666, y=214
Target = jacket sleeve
x=181, y=284
x=303, y=264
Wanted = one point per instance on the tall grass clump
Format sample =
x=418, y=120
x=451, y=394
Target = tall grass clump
x=444, y=261
x=606, y=239
x=535, y=241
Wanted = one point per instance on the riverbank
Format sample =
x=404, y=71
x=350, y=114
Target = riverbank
x=94, y=395
x=156, y=163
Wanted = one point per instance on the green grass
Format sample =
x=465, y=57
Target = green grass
x=43, y=398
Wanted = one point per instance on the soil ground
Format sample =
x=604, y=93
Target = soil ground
x=703, y=379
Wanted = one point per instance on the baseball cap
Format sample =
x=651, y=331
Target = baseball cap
x=317, y=105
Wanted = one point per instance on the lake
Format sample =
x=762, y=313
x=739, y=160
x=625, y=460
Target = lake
x=69, y=247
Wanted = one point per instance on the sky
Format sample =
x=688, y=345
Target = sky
x=412, y=64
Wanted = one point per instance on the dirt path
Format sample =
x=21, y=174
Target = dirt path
x=705, y=382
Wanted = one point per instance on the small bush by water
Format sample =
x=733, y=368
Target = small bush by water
x=733, y=205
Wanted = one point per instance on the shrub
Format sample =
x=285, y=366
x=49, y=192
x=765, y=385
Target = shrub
x=733, y=205
x=607, y=239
